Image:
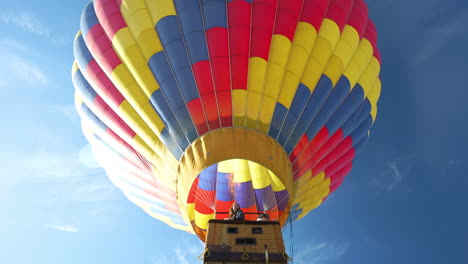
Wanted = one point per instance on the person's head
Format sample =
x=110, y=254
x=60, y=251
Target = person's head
x=263, y=217
x=234, y=208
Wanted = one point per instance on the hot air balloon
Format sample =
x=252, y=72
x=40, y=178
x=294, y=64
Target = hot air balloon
x=191, y=105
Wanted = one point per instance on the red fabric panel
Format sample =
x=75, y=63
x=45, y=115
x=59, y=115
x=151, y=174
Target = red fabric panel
x=339, y=11
x=371, y=34
x=299, y=148
x=338, y=164
x=219, y=58
x=311, y=148
x=112, y=118
x=103, y=85
x=341, y=174
x=239, y=41
x=251, y=209
x=323, y=151
x=359, y=17
x=287, y=17
x=193, y=191
x=225, y=108
x=203, y=200
x=263, y=19
x=108, y=13
x=101, y=49
x=313, y=12
x=198, y=116
x=202, y=73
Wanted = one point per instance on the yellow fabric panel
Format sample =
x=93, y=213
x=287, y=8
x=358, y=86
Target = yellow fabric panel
x=201, y=220
x=309, y=188
x=140, y=24
x=256, y=78
x=260, y=175
x=347, y=45
x=160, y=9
x=131, y=118
x=318, y=192
x=266, y=114
x=344, y=50
x=311, y=207
x=305, y=36
x=276, y=183
x=300, y=183
x=74, y=68
x=290, y=84
x=374, y=97
x=359, y=62
x=239, y=107
x=191, y=211
x=78, y=100
x=226, y=166
x=241, y=170
x=122, y=78
x=275, y=74
x=130, y=54
x=253, y=105
x=327, y=39
x=304, y=39
x=371, y=74
x=330, y=31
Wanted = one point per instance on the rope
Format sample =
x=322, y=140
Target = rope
x=245, y=256
x=206, y=253
x=291, y=237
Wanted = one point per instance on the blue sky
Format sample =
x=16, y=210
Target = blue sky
x=404, y=202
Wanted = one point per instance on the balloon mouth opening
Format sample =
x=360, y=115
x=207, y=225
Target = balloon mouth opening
x=253, y=186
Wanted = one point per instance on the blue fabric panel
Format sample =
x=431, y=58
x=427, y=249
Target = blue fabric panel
x=190, y=19
x=86, y=113
x=359, y=146
x=214, y=13
x=265, y=198
x=171, y=38
x=223, y=186
x=81, y=52
x=170, y=144
x=337, y=96
x=350, y=104
x=299, y=101
x=318, y=97
x=162, y=72
x=245, y=196
x=207, y=179
x=82, y=86
x=88, y=19
x=357, y=117
x=362, y=130
x=186, y=123
x=168, y=118
x=277, y=120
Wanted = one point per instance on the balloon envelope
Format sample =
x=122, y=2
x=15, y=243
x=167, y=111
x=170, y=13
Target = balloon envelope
x=192, y=105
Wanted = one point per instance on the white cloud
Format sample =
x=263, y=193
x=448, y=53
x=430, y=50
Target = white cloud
x=16, y=70
x=393, y=177
x=65, y=228
x=26, y=22
x=321, y=252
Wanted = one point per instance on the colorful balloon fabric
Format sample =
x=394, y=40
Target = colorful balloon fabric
x=191, y=105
